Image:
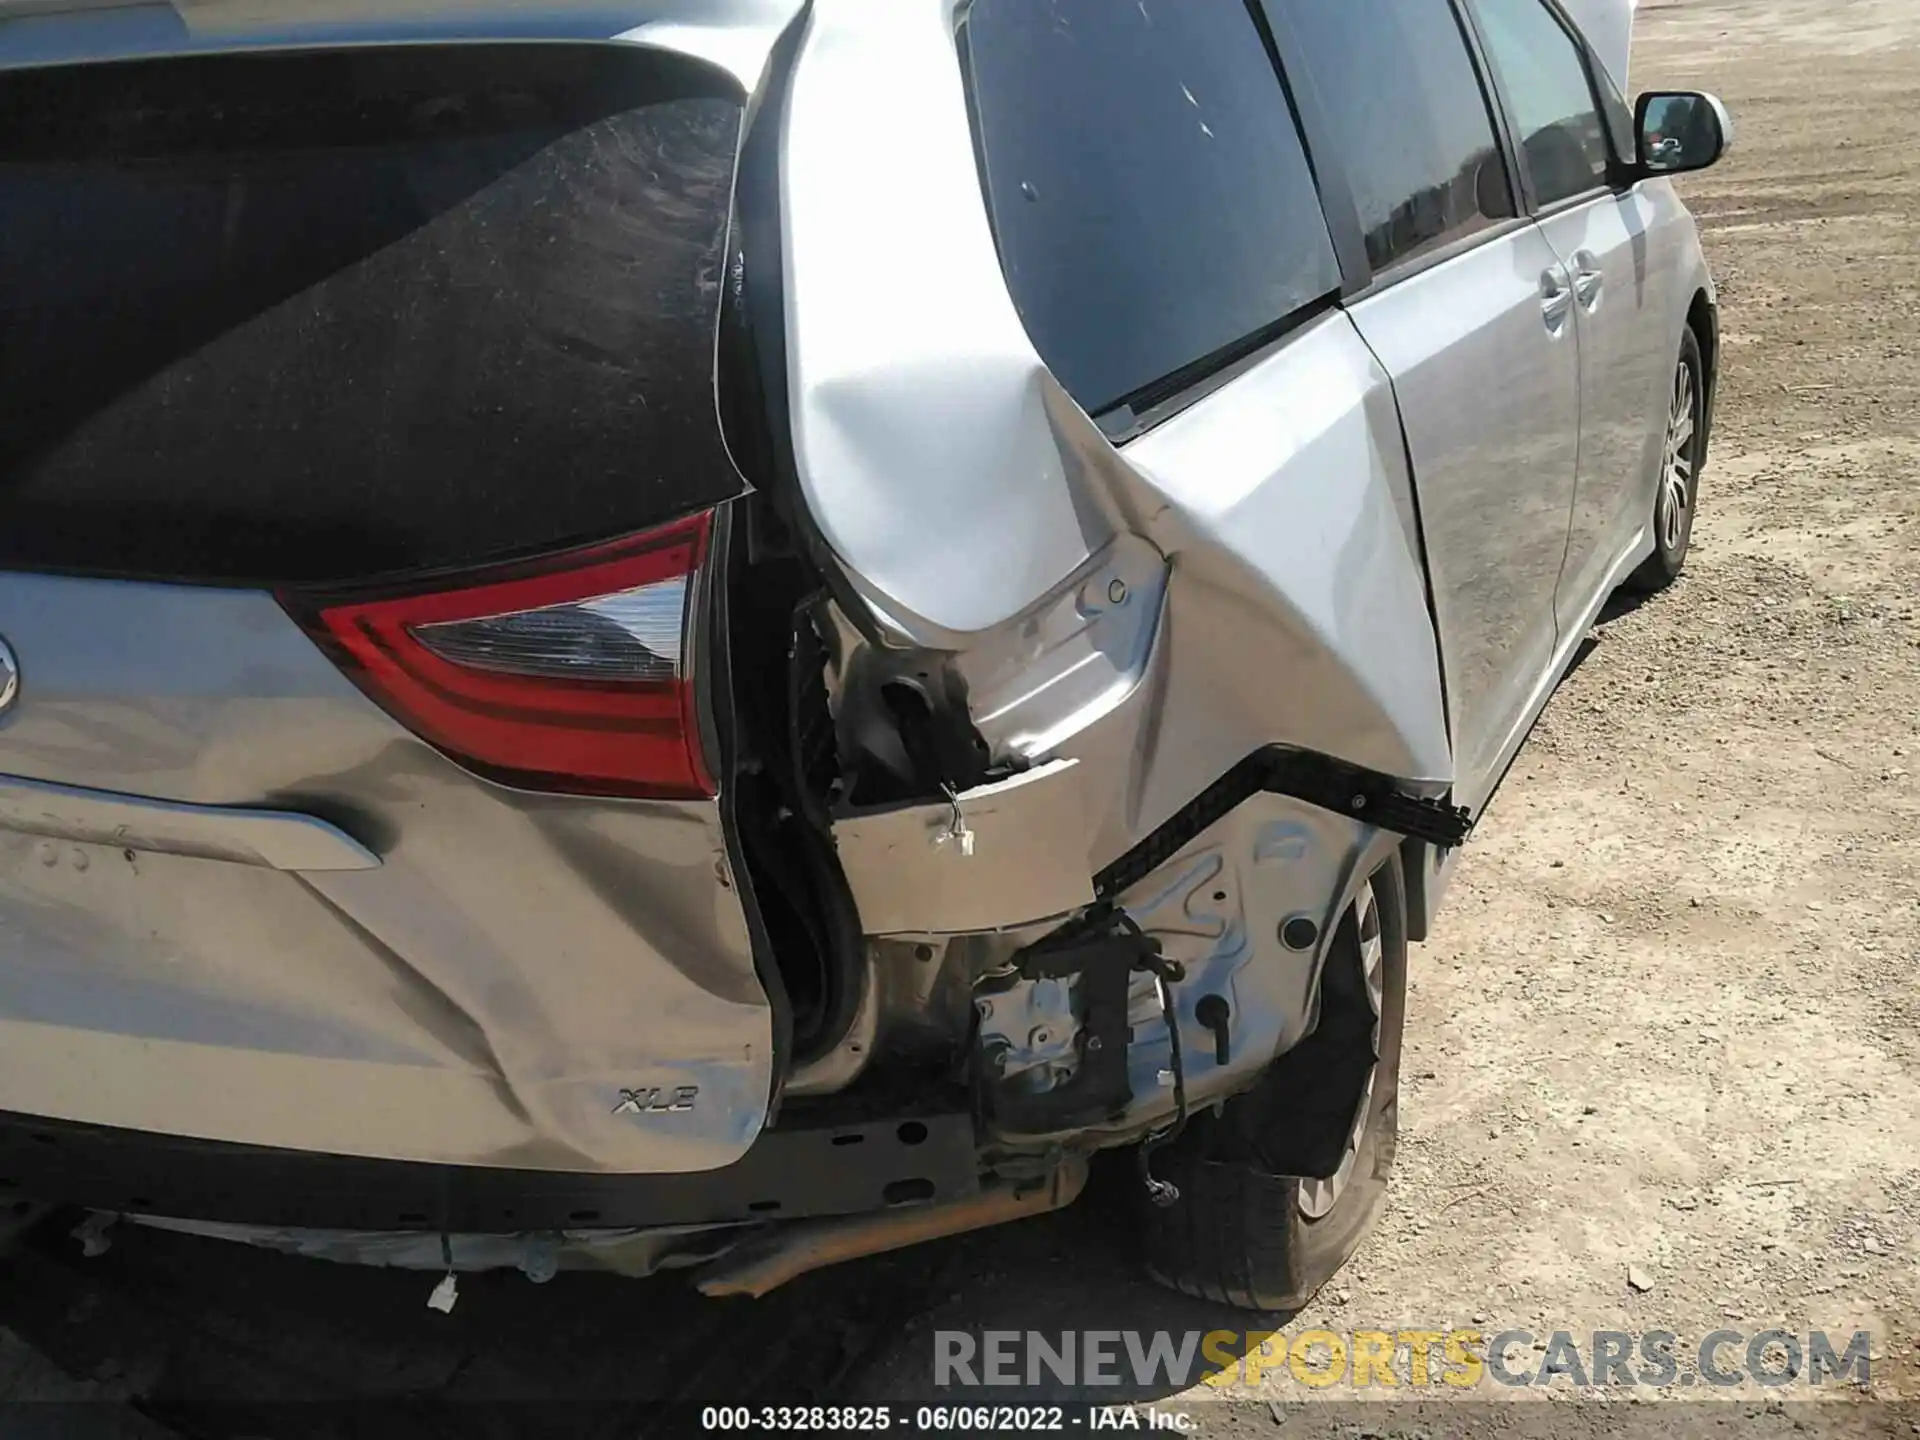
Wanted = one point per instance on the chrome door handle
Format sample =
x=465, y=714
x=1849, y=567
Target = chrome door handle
x=1587, y=278
x=1556, y=298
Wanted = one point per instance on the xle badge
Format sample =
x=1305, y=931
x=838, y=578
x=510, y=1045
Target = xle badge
x=652, y=1100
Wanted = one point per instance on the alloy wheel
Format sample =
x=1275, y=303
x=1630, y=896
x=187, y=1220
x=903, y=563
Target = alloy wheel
x=1673, y=512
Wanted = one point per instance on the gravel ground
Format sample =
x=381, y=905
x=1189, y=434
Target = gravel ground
x=1666, y=1027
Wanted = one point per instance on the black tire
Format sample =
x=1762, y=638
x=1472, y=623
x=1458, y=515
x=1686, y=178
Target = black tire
x=1671, y=541
x=1238, y=1234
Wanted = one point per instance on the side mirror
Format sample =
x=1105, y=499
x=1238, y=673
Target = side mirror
x=1680, y=130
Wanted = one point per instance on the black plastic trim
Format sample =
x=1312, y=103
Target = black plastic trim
x=719, y=714
x=1132, y=415
x=751, y=392
x=1710, y=347
x=1425, y=260
x=1319, y=781
x=1519, y=179
x=1413, y=869
x=1326, y=156
x=1135, y=416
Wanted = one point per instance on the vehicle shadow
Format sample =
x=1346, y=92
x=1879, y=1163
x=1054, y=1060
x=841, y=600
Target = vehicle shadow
x=1621, y=603
x=1063, y=1280
x=1624, y=601
x=217, y=1340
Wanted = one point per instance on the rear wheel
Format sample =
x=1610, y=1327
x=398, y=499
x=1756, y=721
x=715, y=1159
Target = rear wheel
x=1682, y=454
x=1246, y=1230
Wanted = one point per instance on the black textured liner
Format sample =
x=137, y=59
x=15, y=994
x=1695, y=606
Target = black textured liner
x=1319, y=781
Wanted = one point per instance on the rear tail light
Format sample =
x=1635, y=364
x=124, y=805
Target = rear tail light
x=567, y=674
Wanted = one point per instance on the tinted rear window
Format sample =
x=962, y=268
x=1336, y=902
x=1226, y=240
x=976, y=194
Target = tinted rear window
x=318, y=317
x=1150, y=195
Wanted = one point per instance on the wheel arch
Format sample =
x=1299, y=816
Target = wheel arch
x=1703, y=318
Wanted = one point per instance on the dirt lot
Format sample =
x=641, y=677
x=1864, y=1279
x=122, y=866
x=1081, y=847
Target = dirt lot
x=1666, y=1026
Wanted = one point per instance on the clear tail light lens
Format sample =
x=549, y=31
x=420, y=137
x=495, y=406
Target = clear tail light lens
x=565, y=674
x=629, y=636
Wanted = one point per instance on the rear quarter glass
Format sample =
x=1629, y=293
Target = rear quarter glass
x=309, y=319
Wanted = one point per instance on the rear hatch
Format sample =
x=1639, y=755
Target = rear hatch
x=361, y=494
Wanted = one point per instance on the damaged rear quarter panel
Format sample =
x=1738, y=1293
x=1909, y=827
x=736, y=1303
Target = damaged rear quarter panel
x=1218, y=908
x=1245, y=573
x=965, y=495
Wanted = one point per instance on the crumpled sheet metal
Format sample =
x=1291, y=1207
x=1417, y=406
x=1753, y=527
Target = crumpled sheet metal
x=964, y=494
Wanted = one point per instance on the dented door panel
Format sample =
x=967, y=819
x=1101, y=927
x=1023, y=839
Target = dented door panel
x=1489, y=391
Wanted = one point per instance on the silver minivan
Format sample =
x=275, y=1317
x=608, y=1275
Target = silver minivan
x=734, y=632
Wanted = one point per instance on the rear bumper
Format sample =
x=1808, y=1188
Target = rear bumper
x=488, y=994
x=818, y=1163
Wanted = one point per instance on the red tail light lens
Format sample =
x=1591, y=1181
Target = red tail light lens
x=567, y=675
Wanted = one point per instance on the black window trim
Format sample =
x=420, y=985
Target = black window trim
x=1616, y=167
x=1331, y=157
x=1133, y=415
x=1415, y=265
x=1150, y=406
x=1519, y=180
x=1326, y=156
